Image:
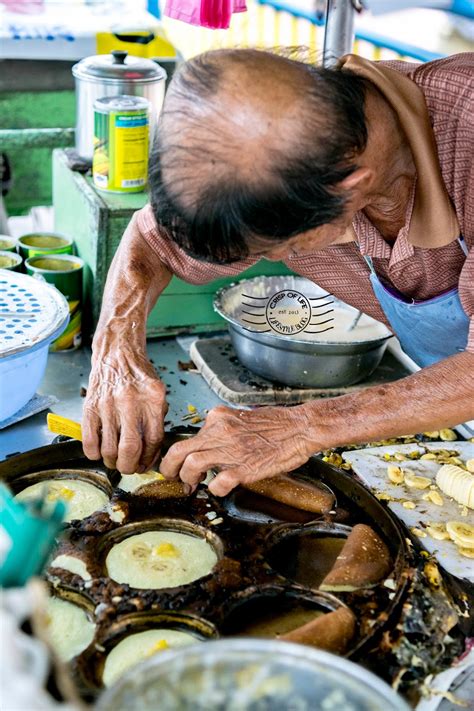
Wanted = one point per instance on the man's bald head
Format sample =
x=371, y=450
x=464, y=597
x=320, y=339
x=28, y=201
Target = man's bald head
x=251, y=147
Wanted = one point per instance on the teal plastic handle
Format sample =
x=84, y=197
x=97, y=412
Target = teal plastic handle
x=27, y=536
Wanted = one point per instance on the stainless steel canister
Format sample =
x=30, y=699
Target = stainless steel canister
x=111, y=75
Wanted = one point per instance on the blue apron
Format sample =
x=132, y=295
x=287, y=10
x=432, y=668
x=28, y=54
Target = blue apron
x=428, y=331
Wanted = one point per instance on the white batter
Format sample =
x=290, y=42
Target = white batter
x=131, y=482
x=81, y=498
x=160, y=559
x=143, y=645
x=71, y=563
x=367, y=329
x=69, y=628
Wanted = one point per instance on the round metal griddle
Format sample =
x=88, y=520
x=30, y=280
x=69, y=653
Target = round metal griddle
x=243, y=572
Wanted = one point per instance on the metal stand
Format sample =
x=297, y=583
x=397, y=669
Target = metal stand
x=339, y=30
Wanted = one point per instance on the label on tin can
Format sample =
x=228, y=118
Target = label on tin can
x=65, y=272
x=121, y=144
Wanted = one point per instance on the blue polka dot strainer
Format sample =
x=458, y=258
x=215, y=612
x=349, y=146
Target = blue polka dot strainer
x=31, y=312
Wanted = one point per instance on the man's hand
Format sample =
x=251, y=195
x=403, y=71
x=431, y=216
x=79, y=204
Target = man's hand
x=124, y=413
x=244, y=446
x=126, y=403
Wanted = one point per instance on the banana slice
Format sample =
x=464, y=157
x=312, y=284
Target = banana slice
x=416, y=482
x=466, y=552
x=438, y=531
x=461, y=533
x=435, y=498
x=448, y=435
x=395, y=474
x=457, y=483
x=470, y=465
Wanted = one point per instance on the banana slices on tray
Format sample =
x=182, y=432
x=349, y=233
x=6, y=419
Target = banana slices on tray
x=463, y=536
x=456, y=483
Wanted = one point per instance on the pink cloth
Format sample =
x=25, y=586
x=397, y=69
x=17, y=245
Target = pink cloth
x=24, y=7
x=214, y=14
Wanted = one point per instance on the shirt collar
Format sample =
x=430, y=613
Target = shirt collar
x=372, y=244
x=433, y=219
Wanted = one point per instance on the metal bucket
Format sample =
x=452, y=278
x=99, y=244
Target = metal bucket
x=252, y=309
x=113, y=75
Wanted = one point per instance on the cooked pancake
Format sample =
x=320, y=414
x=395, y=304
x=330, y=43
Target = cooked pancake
x=69, y=628
x=81, y=498
x=160, y=559
x=137, y=647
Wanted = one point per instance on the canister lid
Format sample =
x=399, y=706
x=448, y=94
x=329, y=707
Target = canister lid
x=118, y=66
x=31, y=312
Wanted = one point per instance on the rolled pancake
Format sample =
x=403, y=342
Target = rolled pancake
x=362, y=563
x=143, y=645
x=160, y=559
x=81, y=498
x=69, y=629
x=72, y=564
x=131, y=482
x=332, y=632
x=295, y=493
x=152, y=483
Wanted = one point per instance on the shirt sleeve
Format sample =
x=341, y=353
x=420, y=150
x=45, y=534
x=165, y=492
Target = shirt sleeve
x=178, y=262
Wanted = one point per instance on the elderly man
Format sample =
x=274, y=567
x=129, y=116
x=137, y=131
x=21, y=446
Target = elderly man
x=359, y=178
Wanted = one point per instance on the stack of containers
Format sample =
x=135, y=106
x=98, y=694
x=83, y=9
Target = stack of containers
x=48, y=256
x=32, y=315
x=9, y=259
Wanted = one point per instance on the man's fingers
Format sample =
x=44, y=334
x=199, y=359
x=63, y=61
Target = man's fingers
x=153, y=433
x=224, y=482
x=130, y=444
x=195, y=467
x=109, y=444
x=174, y=458
x=91, y=435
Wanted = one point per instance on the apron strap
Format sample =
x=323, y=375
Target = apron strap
x=369, y=263
x=463, y=245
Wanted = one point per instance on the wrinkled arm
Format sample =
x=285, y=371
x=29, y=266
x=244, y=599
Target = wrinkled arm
x=247, y=446
x=441, y=395
x=126, y=403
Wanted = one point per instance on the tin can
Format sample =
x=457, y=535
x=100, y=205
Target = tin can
x=65, y=272
x=37, y=243
x=10, y=260
x=121, y=144
x=7, y=243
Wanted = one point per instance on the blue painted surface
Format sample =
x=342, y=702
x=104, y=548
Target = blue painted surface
x=406, y=50
x=463, y=8
x=153, y=7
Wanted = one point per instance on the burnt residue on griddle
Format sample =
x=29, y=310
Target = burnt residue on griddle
x=186, y=365
x=244, y=565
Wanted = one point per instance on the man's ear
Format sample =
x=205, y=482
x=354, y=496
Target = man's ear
x=358, y=184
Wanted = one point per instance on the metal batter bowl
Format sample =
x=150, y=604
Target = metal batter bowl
x=292, y=359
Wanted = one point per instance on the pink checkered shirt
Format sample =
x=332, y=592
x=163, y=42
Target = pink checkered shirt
x=417, y=273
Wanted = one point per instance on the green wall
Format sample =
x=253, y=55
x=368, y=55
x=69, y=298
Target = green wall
x=32, y=169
